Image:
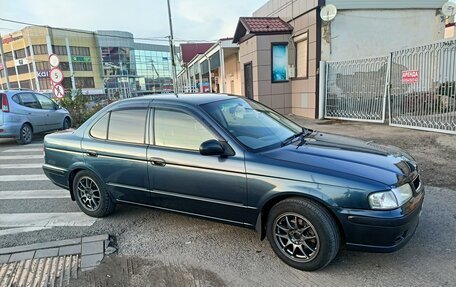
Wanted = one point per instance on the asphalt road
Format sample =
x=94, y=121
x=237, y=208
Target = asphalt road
x=221, y=254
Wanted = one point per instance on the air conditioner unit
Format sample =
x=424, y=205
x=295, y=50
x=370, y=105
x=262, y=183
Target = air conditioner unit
x=291, y=71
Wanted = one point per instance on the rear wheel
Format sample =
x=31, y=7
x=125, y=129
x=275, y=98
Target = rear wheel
x=66, y=123
x=91, y=196
x=25, y=134
x=303, y=234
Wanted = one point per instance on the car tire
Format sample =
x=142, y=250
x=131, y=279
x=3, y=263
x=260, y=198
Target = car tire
x=303, y=234
x=91, y=195
x=25, y=134
x=66, y=123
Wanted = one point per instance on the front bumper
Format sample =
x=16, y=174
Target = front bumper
x=381, y=231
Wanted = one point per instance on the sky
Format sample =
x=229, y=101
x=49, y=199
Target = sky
x=192, y=19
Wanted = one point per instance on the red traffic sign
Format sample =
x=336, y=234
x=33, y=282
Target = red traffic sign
x=58, y=91
x=54, y=60
x=56, y=75
x=410, y=77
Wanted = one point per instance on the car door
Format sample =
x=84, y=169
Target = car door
x=185, y=180
x=54, y=119
x=31, y=108
x=115, y=148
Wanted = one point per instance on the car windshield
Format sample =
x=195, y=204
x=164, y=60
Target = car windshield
x=252, y=124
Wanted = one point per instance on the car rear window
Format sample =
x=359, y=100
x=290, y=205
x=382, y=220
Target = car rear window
x=100, y=129
x=128, y=126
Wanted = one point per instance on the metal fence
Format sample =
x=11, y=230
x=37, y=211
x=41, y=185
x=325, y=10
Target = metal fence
x=423, y=87
x=356, y=89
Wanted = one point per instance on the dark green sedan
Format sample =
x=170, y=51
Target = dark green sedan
x=234, y=160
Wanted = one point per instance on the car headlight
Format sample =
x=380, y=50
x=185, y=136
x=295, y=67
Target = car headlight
x=391, y=199
x=403, y=193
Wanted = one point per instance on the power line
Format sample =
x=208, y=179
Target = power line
x=157, y=38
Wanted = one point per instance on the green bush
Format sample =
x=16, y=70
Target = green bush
x=79, y=107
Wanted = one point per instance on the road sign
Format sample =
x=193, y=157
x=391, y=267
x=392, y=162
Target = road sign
x=56, y=75
x=54, y=60
x=410, y=77
x=58, y=91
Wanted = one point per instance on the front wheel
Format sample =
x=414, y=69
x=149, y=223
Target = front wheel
x=91, y=196
x=303, y=234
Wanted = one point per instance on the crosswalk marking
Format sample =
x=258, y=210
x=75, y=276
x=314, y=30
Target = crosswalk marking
x=23, y=150
x=21, y=165
x=34, y=194
x=28, y=177
x=29, y=156
x=45, y=219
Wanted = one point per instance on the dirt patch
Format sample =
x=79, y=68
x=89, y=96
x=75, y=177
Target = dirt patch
x=134, y=271
x=434, y=152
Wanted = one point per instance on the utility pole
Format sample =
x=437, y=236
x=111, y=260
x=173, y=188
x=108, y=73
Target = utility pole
x=171, y=47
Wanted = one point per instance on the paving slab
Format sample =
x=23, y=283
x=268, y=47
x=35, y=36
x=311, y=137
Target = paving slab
x=95, y=238
x=92, y=247
x=22, y=256
x=50, y=252
x=4, y=258
x=91, y=260
x=69, y=250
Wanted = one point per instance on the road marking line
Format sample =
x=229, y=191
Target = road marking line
x=21, y=165
x=28, y=156
x=45, y=219
x=23, y=149
x=20, y=230
x=28, y=177
x=34, y=194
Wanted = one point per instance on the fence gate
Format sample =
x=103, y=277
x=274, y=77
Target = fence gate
x=357, y=89
x=423, y=87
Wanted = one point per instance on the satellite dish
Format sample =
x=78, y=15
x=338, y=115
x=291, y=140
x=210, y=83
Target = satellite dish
x=328, y=12
x=449, y=9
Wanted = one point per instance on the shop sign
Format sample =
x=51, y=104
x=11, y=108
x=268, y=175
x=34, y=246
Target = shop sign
x=84, y=59
x=410, y=77
x=42, y=74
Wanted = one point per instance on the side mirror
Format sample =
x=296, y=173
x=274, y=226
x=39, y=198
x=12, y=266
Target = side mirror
x=211, y=147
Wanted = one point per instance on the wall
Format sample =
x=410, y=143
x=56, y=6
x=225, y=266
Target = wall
x=233, y=73
x=258, y=51
x=368, y=33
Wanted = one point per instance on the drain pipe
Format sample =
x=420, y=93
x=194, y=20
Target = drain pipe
x=322, y=90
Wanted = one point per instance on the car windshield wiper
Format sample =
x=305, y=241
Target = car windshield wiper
x=290, y=139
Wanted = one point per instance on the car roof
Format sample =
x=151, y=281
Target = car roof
x=192, y=99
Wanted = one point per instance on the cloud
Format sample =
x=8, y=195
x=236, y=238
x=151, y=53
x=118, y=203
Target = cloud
x=192, y=19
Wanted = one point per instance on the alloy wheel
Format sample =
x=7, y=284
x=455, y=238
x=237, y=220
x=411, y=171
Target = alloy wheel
x=89, y=193
x=296, y=237
x=26, y=133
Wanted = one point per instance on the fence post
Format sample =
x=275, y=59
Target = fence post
x=322, y=90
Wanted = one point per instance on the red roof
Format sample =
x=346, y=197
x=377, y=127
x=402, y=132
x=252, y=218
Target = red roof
x=190, y=50
x=260, y=26
x=265, y=24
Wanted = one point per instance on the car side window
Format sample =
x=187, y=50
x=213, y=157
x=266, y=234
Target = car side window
x=100, y=129
x=28, y=100
x=179, y=130
x=128, y=126
x=46, y=104
x=16, y=99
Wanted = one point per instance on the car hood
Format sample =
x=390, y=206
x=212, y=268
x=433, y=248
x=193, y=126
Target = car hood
x=339, y=155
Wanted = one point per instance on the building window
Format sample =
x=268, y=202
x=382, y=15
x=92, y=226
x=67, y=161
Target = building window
x=26, y=84
x=20, y=53
x=302, y=50
x=45, y=83
x=279, y=62
x=8, y=56
x=40, y=49
x=11, y=71
x=77, y=66
x=59, y=50
x=42, y=66
x=80, y=51
x=23, y=69
x=14, y=85
x=80, y=82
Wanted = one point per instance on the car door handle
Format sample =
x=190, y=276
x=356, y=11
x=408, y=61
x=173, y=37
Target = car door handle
x=157, y=161
x=92, y=153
